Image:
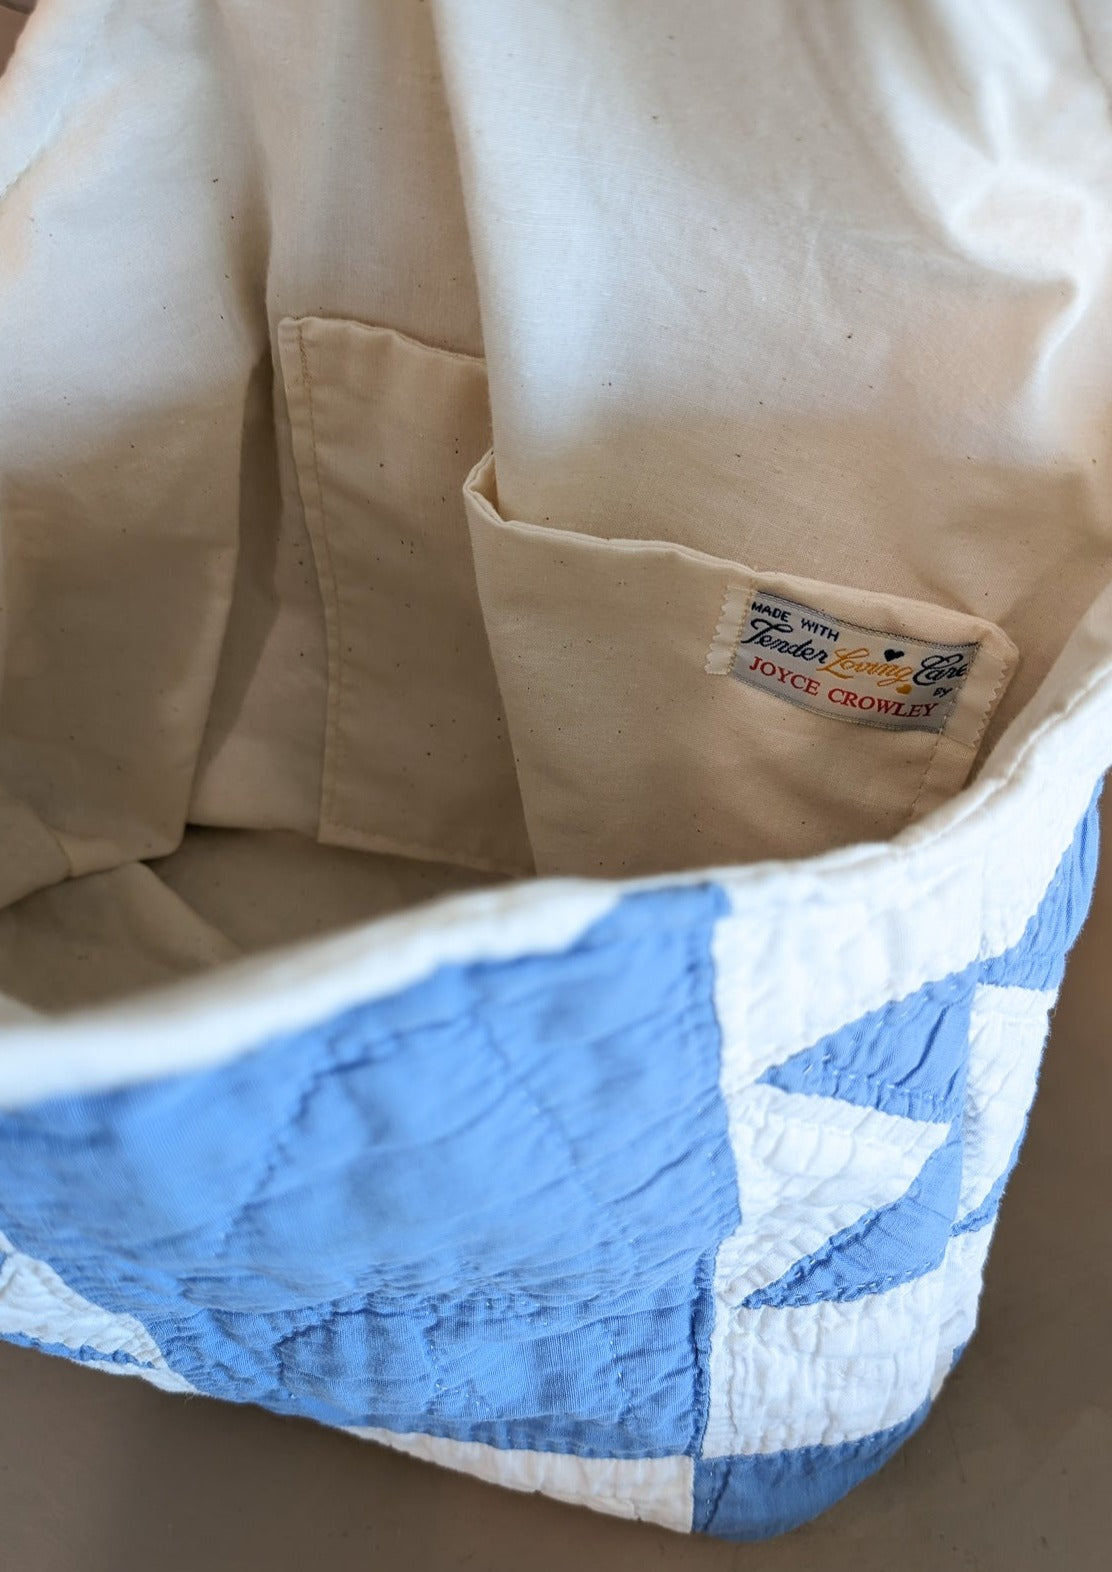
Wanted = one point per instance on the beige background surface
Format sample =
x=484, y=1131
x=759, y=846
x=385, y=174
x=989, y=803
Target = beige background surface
x=1012, y=1471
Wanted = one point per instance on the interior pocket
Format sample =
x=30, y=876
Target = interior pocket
x=417, y=758
x=645, y=742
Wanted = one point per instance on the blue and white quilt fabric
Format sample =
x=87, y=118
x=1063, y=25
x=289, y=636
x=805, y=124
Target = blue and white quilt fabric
x=671, y=1199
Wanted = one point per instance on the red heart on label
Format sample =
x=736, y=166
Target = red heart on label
x=892, y=654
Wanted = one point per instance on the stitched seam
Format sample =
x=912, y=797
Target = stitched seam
x=932, y=1101
x=925, y=776
x=990, y=705
x=328, y=1315
x=710, y=1511
x=547, y=1120
x=317, y=1073
x=703, y=1306
x=845, y=1295
x=706, y=1300
x=696, y=973
x=372, y=841
x=427, y=346
x=720, y=626
x=333, y=740
x=436, y=1367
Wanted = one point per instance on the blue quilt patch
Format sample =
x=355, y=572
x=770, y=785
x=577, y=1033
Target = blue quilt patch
x=907, y=1058
x=889, y=1245
x=773, y=1492
x=514, y=1259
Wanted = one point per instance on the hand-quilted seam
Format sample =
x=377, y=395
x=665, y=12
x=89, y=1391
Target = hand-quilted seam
x=547, y=1120
x=930, y=1102
x=711, y=1510
x=317, y=1074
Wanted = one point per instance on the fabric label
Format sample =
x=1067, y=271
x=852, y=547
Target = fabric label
x=837, y=668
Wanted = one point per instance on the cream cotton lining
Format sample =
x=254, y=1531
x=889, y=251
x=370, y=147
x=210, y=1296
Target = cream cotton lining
x=381, y=443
